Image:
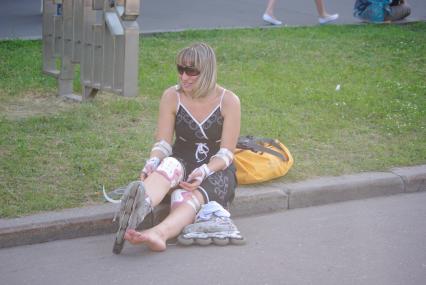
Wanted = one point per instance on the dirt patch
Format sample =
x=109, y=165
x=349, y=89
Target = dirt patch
x=34, y=104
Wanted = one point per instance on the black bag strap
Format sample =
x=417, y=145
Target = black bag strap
x=255, y=145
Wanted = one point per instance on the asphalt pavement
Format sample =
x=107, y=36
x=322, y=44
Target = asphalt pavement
x=378, y=241
x=22, y=19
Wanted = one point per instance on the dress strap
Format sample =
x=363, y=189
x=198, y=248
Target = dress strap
x=221, y=98
x=178, y=98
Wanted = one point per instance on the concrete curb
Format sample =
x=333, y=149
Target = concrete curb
x=249, y=200
x=344, y=188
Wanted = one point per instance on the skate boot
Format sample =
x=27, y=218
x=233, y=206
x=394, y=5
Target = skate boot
x=211, y=226
x=135, y=205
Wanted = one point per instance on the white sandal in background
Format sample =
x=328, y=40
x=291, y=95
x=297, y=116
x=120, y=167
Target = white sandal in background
x=328, y=19
x=271, y=20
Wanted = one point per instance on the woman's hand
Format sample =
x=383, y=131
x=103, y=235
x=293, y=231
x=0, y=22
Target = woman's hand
x=143, y=176
x=150, y=166
x=190, y=186
x=196, y=177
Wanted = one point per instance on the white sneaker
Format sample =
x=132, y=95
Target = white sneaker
x=271, y=20
x=328, y=19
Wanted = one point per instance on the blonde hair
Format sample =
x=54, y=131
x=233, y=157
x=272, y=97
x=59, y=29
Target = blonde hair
x=201, y=57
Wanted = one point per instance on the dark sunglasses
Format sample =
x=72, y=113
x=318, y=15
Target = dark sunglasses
x=190, y=71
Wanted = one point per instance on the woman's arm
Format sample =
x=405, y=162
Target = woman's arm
x=166, y=116
x=164, y=133
x=231, y=112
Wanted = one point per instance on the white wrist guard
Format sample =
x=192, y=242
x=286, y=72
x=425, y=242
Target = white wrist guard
x=206, y=171
x=225, y=154
x=164, y=147
x=200, y=173
x=151, y=165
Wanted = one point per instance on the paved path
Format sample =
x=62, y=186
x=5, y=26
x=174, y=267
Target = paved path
x=379, y=241
x=22, y=19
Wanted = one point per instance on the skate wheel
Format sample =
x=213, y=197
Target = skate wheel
x=129, y=205
x=185, y=241
x=203, y=241
x=118, y=247
x=238, y=241
x=220, y=241
x=118, y=242
x=124, y=222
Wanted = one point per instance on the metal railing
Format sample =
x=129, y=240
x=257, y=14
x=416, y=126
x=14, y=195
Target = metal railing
x=100, y=35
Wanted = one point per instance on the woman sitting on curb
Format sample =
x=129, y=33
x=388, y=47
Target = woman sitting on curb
x=204, y=119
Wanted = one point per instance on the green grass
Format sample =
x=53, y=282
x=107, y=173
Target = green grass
x=55, y=154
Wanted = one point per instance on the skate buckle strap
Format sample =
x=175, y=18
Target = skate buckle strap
x=121, y=191
x=210, y=209
x=109, y=199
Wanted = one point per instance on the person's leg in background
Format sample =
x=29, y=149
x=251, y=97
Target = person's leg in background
x=268, y=16
x=324, y=17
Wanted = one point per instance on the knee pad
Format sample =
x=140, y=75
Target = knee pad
x=171, y=169
x=180, y=196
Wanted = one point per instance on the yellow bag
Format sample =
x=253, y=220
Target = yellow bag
x=259, y=159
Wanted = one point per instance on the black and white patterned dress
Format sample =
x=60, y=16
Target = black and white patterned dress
x=196, y=142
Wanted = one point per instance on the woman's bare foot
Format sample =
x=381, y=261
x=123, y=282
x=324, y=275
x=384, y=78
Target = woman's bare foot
x=150, y=238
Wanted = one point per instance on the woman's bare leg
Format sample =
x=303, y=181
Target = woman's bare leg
x=156, y=187
x=156, y=237
x=324, y=17
x=270, y=8
x=268, y=16
x=321, y=9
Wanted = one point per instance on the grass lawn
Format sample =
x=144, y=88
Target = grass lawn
x=54, y=154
